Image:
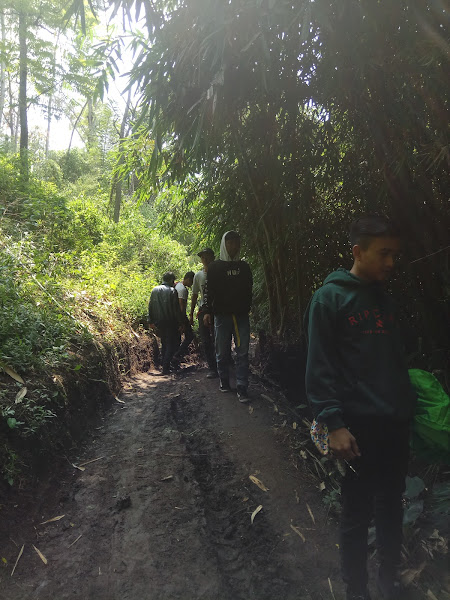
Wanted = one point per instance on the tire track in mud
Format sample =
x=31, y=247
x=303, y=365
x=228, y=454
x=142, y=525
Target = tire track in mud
x=244, y=551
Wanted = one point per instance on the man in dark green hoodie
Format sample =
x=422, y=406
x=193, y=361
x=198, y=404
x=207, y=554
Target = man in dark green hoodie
x=358, y=386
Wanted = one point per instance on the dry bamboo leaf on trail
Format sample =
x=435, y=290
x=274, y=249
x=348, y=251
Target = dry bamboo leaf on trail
x=322, y=486
x=255, y=512
x=311, y=513
x=21, y=395
x=431, y=595
x=408, y=575
x=250, y=409
x=118, y=400
x=303, y=454
x=41, y=556
x=88, y=462
x=52, y=520
x=267, y=398
x=17, y=560
x=294, y=425
x=75, y=541
x=77, y=467
x=298, y=532
x=12, y=373
x=167, y=478
x=331, y=588
x=259, y=483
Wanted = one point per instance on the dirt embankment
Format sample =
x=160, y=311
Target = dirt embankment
x=61, y=404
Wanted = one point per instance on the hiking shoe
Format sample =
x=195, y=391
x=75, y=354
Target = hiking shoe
x=224, y=385
x=242, y=394
x=212, y=374
x=389, y=586
x=358, y=595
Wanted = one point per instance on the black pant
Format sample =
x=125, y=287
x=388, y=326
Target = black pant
x=375, y=489
x=207, y=338
x=170, y=340
x=188, y=337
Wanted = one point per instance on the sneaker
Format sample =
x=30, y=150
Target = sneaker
x=389, y=586
x=242, y=394
x=224, y=385
x=358, y=595
x=212, y=374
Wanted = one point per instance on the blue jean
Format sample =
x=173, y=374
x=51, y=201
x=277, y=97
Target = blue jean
x=224, y=330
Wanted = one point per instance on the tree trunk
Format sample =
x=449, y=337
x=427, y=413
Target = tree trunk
x=23, y=66
x=116, y=184
x=2, y=67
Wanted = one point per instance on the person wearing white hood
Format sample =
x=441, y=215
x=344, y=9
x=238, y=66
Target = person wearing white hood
x=228, y=296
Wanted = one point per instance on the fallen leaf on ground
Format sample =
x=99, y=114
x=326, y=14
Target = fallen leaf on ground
x=245, y=499
x=17, y=560
x=259, y=483
x=408, y=575
x=431, y=595
x=88, y=462
x=250, y=409
x=331, y=588
x=12, y=373
x=267, y=398
x=51, y=520
x=294, y=425
x=77, y=467
x=255, y=512
x=303, y=454
x=298, y=532
x=117, y=400
x=311, y=513
x=167, y=478
x=41, y=556
x=75, y=541
x=21, y=395
x=322, y=486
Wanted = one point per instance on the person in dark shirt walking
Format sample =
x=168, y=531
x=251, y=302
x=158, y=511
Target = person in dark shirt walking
x=358, y=385
x=166, y=318
x=228, y=296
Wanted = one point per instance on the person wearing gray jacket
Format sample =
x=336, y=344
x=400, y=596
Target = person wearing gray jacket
x=165, y=318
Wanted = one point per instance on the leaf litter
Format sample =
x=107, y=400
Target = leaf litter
x=259, y=483
x=41, y=556
x=255, y=512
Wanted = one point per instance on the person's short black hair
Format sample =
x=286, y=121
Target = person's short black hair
x=370, y=226
x=189, y=275
x=168, y=277
x=232, y=235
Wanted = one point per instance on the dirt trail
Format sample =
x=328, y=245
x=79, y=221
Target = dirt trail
x=165, y=513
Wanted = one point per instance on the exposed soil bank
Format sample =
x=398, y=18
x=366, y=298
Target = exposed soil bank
x=75, y=396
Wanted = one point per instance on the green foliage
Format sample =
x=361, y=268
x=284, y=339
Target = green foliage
x=68, y=274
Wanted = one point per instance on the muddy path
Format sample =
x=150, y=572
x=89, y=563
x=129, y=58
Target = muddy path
x=165, y=513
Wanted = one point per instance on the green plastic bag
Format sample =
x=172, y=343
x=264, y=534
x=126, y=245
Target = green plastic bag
x=431, y=425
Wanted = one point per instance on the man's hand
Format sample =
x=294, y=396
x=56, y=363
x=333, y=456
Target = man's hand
x=207, y=320
x=343, y=444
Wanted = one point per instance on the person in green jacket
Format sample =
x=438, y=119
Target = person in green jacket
x=358, y=385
